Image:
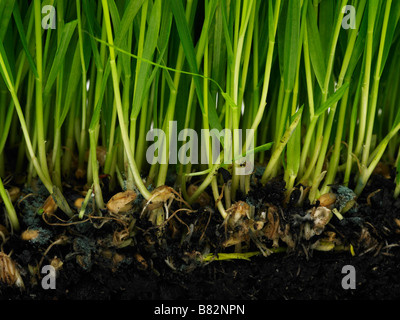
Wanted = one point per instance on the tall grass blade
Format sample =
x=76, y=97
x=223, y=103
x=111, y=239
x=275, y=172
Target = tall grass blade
x=187, y=43
x=148, y=53
x=314, y=41
x=58, y=61
x=22, y=36
x=292, y=43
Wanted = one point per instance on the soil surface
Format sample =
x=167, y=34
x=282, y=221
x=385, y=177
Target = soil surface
x=96, y=260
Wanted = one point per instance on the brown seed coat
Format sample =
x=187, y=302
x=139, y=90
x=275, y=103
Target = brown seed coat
x=121, y=202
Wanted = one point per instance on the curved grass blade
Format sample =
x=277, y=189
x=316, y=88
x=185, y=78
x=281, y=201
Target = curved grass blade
x=264, y=147
x=281, y=145
x=332, y=99
x=22, y=36
x=12, y=215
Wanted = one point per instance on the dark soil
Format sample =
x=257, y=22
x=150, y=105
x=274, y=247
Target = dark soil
x=95, y=268
x=279, y=277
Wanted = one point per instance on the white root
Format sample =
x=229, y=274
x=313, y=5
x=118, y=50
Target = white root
x=162, y=196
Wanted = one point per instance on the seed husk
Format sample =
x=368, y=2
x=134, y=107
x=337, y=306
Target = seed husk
x=121, y=202
x=50, y=206
x=327, y=200
x=237, y=212
x=9, y=273
x=322, y=245
x=78, y=203
x=142, y=263
x=14, y=193
x=56, y=263
x=397, y=221
x=382, y=169
x=101, y=154
x=117, y=259
x=203, y=199
x=271, y=229
x=30, y=234
x=321, y=217
x=160, y=195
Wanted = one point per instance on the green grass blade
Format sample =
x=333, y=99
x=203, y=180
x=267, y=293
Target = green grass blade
x=292, y=43
x=219, y=51
x=4, y=70
x=293, y=154
x=359, y=45
x=6, y=10
x=262, y=148
x=70, y=95
x=7, y=74
x=22, y=36
x=61, y=201
x=94, y=30
x=58, y=61
x=271, y=29
x=396, y=121
x=115, y=18
x=281, y=145
x=314, y=43
x=326, y=19
x=334, y=98
x=129, y=15
x=12, y=215
x=97, y=109
x=213, y=118
x=148, y=52
x=187, y=43
x=228, y=41
x=391, y=28
x=6, y=127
